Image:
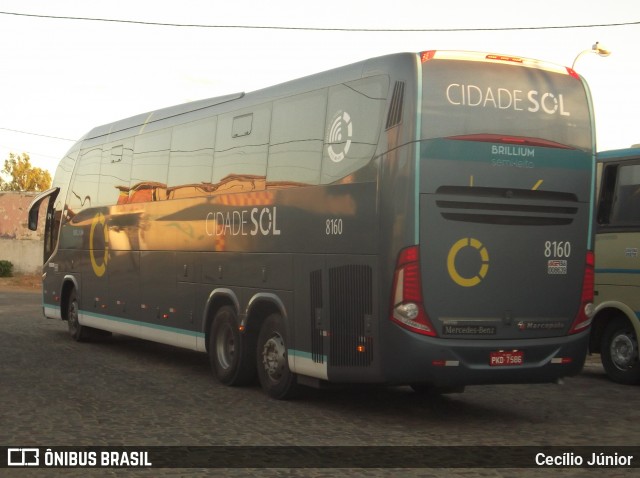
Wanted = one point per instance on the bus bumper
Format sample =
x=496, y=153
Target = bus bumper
x=454, y=362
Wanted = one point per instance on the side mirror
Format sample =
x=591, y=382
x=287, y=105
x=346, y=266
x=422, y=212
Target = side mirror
x=34, y=207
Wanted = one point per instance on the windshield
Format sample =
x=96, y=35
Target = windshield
x=485, y=98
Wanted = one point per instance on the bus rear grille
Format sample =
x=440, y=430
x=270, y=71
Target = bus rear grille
x=395, y=108
x=518, y=207
x=350, y=311
x=317, y=334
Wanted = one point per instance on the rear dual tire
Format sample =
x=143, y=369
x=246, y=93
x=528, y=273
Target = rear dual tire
x=276, y=378
x=231, y=355
x=236, y=357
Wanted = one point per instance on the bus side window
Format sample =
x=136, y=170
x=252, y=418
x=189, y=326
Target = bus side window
x=62, y=180
x=115, y=172
x=354, y=119
x=626, y=203
x=241, y=145
x=606, y=193
x=150, y=166
x=297, y=138
x=84, y=191
x=191, y=159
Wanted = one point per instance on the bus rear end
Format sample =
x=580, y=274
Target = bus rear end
x=499, y=287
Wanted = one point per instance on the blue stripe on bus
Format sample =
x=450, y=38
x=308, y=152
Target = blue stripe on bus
x=592, y=201
x=165, y=328
x=416, y=203
x=299, y=353
x=480, y=152
x=306, y=355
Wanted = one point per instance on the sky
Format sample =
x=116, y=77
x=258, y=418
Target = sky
x=61, y=77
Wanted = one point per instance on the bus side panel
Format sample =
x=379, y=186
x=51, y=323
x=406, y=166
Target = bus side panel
x=95, y=288
x=124, y=283
x=220, y=269
x=310, y=347
x=54, y=272
x=158, y=293
x=618, y=261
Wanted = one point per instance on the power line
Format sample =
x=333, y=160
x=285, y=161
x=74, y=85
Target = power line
x=37, y=134
x=322, y=29
x=31, y=154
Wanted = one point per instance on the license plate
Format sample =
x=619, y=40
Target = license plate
x=504, y=358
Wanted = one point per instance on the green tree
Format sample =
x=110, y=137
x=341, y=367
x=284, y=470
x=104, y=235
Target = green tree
x=24, y=177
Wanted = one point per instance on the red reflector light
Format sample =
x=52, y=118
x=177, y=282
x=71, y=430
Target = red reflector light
x=573, y=73
x=507, y=139
x=498, y=138
x=427, y=55
x=410, y=254
x=585, y=313
x=561, y=360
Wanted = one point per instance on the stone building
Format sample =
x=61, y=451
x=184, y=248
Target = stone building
x=17, y=243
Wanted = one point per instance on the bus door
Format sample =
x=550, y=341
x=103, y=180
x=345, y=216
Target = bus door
x=51, y=225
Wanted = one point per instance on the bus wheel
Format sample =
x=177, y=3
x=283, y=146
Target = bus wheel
x=231, y=362
x=619, y=352
x=78, y=332
x=276, y=378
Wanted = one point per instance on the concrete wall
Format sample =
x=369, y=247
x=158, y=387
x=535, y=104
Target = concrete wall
x=17, y=243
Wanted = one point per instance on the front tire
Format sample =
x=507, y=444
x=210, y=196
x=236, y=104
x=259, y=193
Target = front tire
x=276, y=378
x=619, y=352
x=78, y=332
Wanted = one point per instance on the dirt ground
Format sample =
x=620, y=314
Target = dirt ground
x=31, y=282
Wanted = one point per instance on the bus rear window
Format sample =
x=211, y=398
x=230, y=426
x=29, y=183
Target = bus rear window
x=481, y=98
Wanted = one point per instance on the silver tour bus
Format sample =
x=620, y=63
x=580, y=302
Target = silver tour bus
x=418, y=219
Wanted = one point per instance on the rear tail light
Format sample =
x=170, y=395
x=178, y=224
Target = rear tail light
x=407, y=308
x=585, y=313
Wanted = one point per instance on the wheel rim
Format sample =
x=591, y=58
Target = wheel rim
x=624, y=351
x=274, y=357
x=225, y=346
x=72, y=317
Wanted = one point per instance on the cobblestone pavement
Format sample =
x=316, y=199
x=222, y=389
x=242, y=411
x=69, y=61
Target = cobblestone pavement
x=124, y=391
